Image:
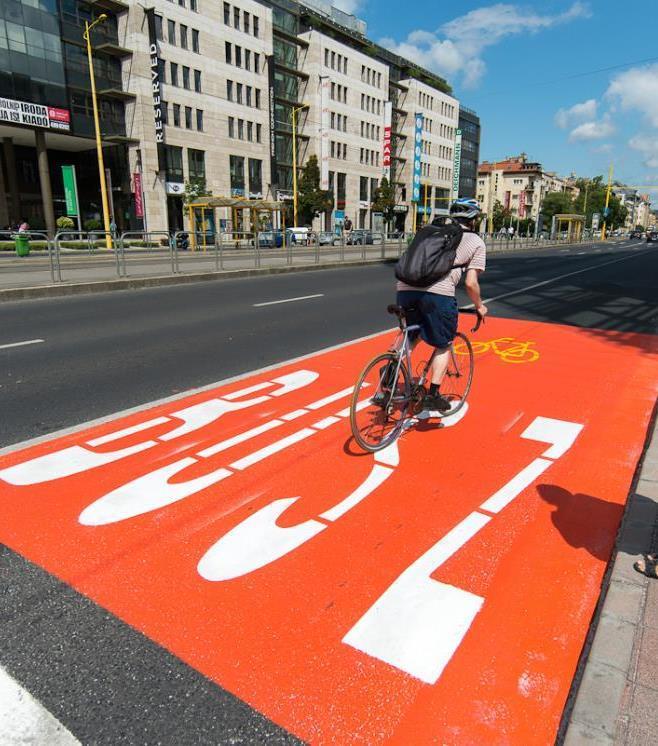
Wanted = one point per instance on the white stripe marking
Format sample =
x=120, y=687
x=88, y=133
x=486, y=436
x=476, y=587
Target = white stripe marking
x=22, y=344
x=559, y=433
x=294, y=415
x=288, y=300
x=279, y=445
x=325, y=423
x=330, y=399
x=127, y=431
x=244, y=392
x=515, y=486
x=241, y=438
x=361, y=405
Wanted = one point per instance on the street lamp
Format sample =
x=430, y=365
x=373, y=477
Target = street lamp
x=294, y=158
x=99, y=147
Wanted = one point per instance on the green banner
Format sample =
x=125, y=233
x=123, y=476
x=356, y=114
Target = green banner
x=70, y=191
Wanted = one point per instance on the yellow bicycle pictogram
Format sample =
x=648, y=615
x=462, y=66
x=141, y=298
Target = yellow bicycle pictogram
x=508, y=349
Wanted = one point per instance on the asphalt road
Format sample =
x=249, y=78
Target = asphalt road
x=101, y=678
x=108, y=352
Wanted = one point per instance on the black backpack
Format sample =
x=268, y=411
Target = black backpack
x=431, y=255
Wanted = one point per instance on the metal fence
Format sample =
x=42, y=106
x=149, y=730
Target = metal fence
x=77, y=256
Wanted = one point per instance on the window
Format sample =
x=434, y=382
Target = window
x=326, y=57
x=256, y=26
x=196, y=163
x=333, y=149
x=250, y=131
x=229, y=90
x=162, y=69
x=228, y=47
x=199, y=119
x=258, y=98
x=236, y=18
x=247, y=59
x=259, y=128
x=181, y=3
x=174, y=163
x=194, y=6
x=158, y=28
x=256, y=62
x=197, y=81
x=255, y=177
x=186, y=77
x=171, y=32
x=173, y=69
x=246, y=23
x=238, y=92
x=195, y=41
x=238, y=56
x=165, y=112
x=227, y=14
x=240, y=129
x=183, y=36
x=231, y=127
x=188, y=117
x=176, y=115
x=363, y=188
x=248, y=95
x=333, y=60
x=237, y=176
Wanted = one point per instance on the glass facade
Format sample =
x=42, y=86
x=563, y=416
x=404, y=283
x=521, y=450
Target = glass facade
x=469, y=123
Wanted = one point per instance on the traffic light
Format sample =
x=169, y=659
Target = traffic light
x=183, y=241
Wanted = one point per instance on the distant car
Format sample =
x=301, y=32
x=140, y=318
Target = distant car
x=300, y=233
x=652, y=236
x=635, y=234
x=270, y=239
x=359, y=237
x=327, y=238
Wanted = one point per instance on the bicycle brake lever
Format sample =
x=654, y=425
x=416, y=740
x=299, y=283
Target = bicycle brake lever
x=480, y=321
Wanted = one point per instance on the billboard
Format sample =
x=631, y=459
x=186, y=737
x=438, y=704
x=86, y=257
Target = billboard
x=156, y=87
x=324, y=132
x=386, y=153
x=456, y=165
x=418, y=149
x=13, y=111
x=271, y=95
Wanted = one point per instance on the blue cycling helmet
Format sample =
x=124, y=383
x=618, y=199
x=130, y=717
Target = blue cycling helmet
x=466, y=208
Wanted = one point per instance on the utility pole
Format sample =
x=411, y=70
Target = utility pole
x=607, y=204
x=294, y=159
x=99, y=145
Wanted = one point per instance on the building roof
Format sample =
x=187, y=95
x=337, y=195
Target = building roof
x=514, y=165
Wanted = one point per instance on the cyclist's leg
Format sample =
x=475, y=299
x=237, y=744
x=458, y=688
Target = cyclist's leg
x=439, y=326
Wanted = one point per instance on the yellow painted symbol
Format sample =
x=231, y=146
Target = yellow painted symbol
x=508, y=349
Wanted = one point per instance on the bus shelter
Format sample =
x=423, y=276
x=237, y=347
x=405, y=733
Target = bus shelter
x=572, y=224
x=203, y=220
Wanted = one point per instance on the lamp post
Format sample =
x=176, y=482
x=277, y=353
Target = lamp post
x=294, y=158
x=99, y=147
x=607, y=204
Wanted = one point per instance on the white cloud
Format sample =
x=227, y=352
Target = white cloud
x=605, y=148
x=637, y=88
x=577, y=113
x=648, y=146
x=592, y=130
x=457, y=46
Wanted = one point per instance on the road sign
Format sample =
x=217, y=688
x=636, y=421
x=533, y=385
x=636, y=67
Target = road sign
x=71, y=193
x=596, y=221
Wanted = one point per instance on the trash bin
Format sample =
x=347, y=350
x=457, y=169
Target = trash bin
x=22, y=243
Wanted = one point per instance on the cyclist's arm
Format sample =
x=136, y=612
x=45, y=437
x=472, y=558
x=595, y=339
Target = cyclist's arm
x=473, y=290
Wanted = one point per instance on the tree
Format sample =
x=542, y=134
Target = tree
x=194, y=189
x=311, y=200
x=596, y=191
x=556, y=203
x=383, y=200
x=501, y=215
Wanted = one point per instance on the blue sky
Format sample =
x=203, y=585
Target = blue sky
x=516, y=65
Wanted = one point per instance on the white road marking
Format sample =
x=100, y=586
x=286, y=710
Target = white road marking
x=127, y=431
x=240, y=438
x=288, y=300
x=559, y=433
x=551, y=280
x=279, y=445
x=294, y=415
x=22, y=344
x=515, y=486
x=330, y=399
x=325, y=423
x=23, y=720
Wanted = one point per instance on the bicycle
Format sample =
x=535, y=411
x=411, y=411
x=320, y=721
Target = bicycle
x=393, y=399
x=514, y=350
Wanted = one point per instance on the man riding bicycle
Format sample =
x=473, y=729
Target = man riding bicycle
x=436, y=306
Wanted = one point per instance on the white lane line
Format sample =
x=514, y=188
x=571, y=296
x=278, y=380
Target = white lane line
x=554, y=279
x=241, y=438
x=515, y=486
x=330, y=399
x=288, y=300
x=127, y=431
x=24, y=720
x=22, y=344
x=294, y=415
x=263, y=453
x=325, y=423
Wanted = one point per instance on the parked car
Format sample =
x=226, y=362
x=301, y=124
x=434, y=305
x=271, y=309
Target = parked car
x=359, y=237
x=652, y=236
x=327, y=238
x=274, y=239
x=635, y=234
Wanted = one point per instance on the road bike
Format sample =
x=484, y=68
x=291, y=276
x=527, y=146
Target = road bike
x=387, y=395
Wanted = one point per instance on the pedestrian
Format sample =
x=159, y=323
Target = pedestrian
x=648, y=565
x=24, y=226
x=113, y=229
x=511, y=232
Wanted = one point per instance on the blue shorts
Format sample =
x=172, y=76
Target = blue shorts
x=437, y=315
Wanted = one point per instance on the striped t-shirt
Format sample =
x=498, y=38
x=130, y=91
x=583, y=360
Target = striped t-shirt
x=472, y=252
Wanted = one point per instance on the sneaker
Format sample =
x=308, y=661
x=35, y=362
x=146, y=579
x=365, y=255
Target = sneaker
x=436, y=403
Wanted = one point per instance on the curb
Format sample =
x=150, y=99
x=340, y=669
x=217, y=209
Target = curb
x=597, y=704
x=103, y=286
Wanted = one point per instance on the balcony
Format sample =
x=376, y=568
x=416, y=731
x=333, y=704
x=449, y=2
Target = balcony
x=114, y=48
x=114, y=6
x=117, y=93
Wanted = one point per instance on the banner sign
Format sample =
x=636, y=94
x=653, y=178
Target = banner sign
x=456, y=165
x=508, y=199
x=271, y=96
x=137, y=190
x=418, y=149
x=522, y=205
x=154, y=56
x=70, y=190
x=388, y=119
x=34, y=115
x=324, y=132
x=596, y=221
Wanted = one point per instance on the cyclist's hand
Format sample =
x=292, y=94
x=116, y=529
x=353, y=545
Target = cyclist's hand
x=482, y=310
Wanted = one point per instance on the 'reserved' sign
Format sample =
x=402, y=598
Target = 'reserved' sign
x=34, y=115
x=156, y=86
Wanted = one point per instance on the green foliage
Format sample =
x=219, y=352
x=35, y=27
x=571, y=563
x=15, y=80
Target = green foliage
x=556, y=203
x=311, y=200
x=64, y=223
x=92, y=224
x=383, y=200
x=596, y=190
x=501, y=215
x=194, y=190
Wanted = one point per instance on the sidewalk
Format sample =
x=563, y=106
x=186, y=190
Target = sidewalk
x=616, y=701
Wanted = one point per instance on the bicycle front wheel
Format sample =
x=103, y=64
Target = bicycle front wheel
x=459, y=375
x=380, y=402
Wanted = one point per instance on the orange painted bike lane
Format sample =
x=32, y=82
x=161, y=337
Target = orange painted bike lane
x=437, y=592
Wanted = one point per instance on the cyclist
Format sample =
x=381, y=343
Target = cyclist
x=436, y=306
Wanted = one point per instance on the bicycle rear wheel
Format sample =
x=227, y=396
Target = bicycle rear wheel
x=459, y=375
x=379, y=405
